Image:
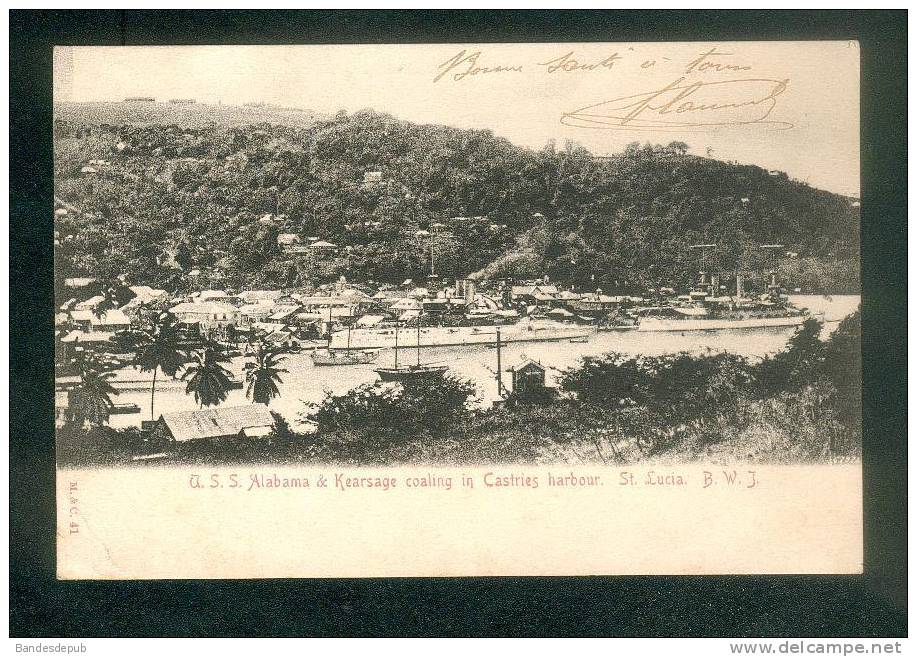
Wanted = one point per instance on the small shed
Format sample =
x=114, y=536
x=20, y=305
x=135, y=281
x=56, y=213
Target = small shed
x=527, y=376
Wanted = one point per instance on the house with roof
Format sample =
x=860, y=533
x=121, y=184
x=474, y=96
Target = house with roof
x=371, y=179
x=210, y=295
x=288, y=240
x=214, y=425
x=212, y=319
x=260, y=296
x=79, y=281
x=80, y=341
x=321, y=246
x=538, y=294
x=146, y=294
x=111, y=321
x=252, y=313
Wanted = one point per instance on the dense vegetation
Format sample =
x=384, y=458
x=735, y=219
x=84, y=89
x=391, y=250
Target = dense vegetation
x=170, y=199
x=801, y=405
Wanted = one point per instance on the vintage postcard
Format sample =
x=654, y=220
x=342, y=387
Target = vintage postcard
x=457, y=309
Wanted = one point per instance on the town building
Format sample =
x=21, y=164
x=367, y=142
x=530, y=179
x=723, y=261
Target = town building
x=214, y=424
x=212, y=319
x=111, y=321
x=288, y=240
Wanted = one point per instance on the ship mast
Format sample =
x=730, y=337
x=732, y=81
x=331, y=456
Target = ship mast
x=773, y=286
x=396, y=346
x=703, y=260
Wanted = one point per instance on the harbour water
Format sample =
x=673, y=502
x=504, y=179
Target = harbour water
x=306, y=384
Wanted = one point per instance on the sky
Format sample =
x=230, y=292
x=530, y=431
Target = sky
x=790, y=106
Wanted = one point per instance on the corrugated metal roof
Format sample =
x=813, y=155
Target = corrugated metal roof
x=217, y=422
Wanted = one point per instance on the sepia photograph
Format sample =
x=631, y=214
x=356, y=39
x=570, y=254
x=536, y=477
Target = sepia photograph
x=457, y=255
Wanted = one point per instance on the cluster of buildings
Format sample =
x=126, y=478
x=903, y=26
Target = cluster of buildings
x=302, y=318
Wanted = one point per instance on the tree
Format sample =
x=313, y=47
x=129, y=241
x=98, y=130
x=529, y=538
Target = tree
x=91, y=400
x=843, y=367
x=156, y=347
x=265, y=375
x=208, y=380
x=796, y=366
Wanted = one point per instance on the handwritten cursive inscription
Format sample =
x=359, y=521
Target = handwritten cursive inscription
x=464, y=65
x=567, y=63
x=703, y=63
x=681, y=104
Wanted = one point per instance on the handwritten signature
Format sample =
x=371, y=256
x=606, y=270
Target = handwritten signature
x=681, y=104
x=464, y=64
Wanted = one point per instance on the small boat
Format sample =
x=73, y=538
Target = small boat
x=407, y=372
x=411, y=372
x=330, y=357
x=124, y=409
x=580, y=340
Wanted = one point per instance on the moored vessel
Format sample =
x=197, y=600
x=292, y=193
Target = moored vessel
x=324, y=357
x=414, y=372
x=526, y=330
x=705, y=312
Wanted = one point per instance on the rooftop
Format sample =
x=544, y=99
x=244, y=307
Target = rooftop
x=217, y=422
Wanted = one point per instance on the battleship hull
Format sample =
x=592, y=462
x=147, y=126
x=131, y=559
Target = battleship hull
x=714, y=324
x=441, y=336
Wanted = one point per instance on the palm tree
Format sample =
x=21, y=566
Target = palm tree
x=207, y=378
x=265, y=375
x=156, y=347
x=91, y=400
x=109, y=301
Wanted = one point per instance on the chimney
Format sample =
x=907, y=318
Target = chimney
x=469, y=290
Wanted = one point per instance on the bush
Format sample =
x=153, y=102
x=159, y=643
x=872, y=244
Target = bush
x=366, y=422
x=680, y=387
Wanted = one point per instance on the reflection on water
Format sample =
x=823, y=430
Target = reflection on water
x=305, y=383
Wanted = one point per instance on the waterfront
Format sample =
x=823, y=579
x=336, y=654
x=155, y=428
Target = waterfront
x=304, y=383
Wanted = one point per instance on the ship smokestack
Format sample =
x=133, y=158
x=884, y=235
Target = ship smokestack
x=740, y=285
x=715, y=284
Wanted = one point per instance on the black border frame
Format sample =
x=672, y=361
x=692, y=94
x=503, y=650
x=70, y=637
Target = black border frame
x=870, y=605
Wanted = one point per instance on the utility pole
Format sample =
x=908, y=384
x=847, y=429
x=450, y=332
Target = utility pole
x=499, y=367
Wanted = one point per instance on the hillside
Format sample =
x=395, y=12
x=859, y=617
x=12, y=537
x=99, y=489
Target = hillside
x=188, y=115
x=170, y=199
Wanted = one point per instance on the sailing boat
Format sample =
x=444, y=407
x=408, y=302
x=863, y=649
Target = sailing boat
x=327, y=356
x=410, y=372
